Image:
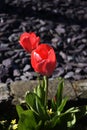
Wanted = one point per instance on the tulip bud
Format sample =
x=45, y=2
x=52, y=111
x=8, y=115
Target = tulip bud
x=29, y=41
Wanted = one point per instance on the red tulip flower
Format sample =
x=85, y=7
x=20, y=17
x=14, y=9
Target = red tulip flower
x=29, y=41
x=43, y=59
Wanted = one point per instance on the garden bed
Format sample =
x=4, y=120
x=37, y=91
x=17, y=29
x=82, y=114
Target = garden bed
x=61, y=24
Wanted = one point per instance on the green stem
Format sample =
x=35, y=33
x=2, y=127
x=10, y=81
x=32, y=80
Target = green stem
x=46, y=89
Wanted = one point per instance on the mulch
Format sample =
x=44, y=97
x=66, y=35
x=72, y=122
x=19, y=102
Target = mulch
x=60, y=23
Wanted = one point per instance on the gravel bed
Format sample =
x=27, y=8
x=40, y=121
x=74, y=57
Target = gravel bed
x=60, y=23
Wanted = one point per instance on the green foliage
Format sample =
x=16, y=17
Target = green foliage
x=39, y=116
x=27, y=120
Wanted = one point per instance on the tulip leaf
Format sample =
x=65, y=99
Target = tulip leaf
x=36, y=105
x=60, y=121
x=19, y=110
x=31, y=101
x=41, y=93
x=27, y=121
x=62, y=105
x=53, y=104
x=41, y=110
x=59, y=92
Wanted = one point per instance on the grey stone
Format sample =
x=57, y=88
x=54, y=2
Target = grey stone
x=7, y=62
x=69, y=75
x=58, y=72
x=72, y=89
x=60, y=29
x=25, y=61
x=78, y=70
x=4, y=92
x=23, y=77
x=3, y=71
x=63, y=55
x=26, y=68
x=16, y=73
x=28, y=75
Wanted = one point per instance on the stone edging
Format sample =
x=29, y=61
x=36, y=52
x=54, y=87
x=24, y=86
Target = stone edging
x=74, y=90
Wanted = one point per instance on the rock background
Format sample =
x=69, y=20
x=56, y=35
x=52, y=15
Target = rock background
x=60, y=23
